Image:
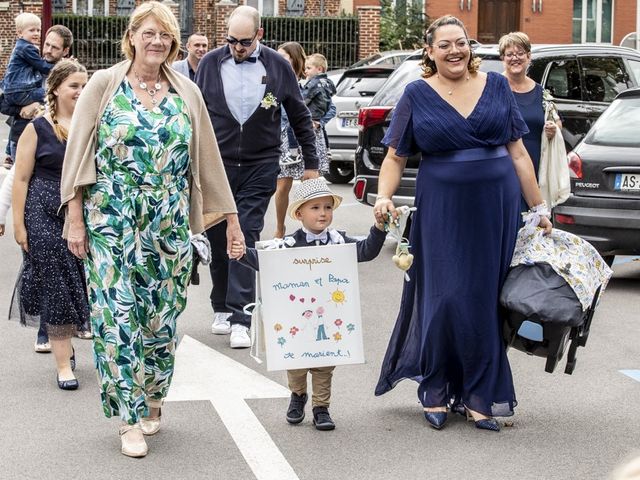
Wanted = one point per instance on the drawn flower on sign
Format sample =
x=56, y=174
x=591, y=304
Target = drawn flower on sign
x=337, y=337
x=277, y=327
x=269, y=101
x=338, y=297
x=307, y=314
x=351, y=327
x=281, y=341
x=338, y=323
x=293, y=330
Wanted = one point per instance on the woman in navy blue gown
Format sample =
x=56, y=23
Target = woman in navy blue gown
x=473, y=171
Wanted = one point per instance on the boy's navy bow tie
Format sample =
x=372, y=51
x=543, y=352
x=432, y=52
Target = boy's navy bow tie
x=248, y=59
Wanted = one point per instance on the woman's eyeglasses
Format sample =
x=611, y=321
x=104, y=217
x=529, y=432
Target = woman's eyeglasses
x=511, y=55
x=150, y=35
x=245, y=42
x=461, y=44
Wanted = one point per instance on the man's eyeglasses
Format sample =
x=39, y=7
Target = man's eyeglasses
x=511, y=55
x=245, y=42
x=149, y=35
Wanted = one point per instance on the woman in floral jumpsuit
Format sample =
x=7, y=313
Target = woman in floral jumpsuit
x=150, y=177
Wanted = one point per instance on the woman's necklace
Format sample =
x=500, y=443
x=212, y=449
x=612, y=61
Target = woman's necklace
x=451, y=90
x=151, y=91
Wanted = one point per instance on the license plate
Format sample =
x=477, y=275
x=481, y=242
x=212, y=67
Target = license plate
x=627, y=181
x=349, y=122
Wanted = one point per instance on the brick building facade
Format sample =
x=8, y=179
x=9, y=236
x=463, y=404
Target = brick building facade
x=551, y=22
x=207, y=17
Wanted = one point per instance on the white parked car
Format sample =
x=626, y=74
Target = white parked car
x=355, y=89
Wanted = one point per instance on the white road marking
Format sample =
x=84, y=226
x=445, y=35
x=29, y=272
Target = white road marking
x=202, y=373
x=635, y=374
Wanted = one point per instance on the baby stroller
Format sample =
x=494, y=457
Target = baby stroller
x=550, y=295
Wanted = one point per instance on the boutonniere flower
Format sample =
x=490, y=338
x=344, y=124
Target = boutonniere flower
x=269, y=101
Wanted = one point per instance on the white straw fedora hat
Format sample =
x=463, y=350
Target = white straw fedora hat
x=308, y=190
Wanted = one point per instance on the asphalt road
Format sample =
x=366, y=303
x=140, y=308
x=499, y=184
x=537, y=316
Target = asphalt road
x=566, y=427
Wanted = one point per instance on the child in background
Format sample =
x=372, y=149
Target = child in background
x=313, y=204
x=22, y=82
x=317, y=93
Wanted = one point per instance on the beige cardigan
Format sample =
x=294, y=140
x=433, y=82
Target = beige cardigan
x=211, y=196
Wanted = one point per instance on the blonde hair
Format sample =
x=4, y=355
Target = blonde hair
x=164, y=16
x=514, y=39
x=318, y=60
x=58, y=74
x=429, y=67
x=25, y=19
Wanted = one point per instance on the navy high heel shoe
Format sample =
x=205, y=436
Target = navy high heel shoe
x=488, y=424
x=436, y=419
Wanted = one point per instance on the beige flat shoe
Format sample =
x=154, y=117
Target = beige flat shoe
x=84, y=334
x=150, y=426
x=130, y=449
x=42, y=347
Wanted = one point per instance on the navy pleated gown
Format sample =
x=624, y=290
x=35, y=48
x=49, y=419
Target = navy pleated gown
x=448, y=333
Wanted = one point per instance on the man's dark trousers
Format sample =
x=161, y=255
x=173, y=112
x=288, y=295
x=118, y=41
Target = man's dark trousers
x=234, y=285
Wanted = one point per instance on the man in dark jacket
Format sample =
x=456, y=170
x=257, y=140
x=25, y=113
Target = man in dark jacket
x=244, y=85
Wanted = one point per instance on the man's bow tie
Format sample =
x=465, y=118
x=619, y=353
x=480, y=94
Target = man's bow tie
x=248, y=59
x=312, y=237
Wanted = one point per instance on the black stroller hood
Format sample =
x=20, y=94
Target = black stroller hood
x=538, y=293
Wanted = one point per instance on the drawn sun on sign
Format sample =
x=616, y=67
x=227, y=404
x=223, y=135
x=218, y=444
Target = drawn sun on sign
x=338, y=297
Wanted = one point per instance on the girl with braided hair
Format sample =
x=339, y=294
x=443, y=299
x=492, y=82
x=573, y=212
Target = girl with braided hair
x=51, y=285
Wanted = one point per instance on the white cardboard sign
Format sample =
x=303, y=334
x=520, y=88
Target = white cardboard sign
x=310, y=300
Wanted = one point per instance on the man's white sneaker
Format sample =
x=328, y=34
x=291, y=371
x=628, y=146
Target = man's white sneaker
x=239, y=336
x=221, y=325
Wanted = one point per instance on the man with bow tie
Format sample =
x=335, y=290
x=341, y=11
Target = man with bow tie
x=313, y=204
x=244, y=85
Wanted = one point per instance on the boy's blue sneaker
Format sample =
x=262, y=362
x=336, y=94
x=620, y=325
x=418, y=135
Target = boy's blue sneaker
x=295, y=412
x=322, y=419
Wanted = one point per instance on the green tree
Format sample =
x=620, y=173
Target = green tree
x=402, y=25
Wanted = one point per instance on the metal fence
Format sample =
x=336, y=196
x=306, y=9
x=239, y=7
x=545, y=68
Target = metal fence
x=97, y=38
x=334, y=37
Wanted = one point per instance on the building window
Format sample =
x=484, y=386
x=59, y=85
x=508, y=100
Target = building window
x=592, y=21
x=125, y=7
x=295, y=8
x=59, y=6
x=267, y=8
x=91, y=7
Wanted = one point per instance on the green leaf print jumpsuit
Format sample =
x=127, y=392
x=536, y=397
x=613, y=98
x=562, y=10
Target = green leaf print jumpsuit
x=137, y=217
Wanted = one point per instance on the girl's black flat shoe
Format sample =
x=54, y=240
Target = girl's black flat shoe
x=436, y=419
x=67, y=384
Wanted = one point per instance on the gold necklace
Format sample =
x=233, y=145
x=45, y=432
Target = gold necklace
x=451, y=90
x=150, y=91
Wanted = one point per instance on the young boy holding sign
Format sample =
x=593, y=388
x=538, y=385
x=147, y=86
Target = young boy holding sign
x=313, y=204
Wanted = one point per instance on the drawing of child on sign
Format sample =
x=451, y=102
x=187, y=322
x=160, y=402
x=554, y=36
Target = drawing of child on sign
x=321, y=334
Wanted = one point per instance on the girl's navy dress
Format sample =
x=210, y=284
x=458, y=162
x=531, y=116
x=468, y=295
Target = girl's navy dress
x=51, y=287
x=448, y=333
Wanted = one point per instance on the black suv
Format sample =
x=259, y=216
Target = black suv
x=584, y=79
